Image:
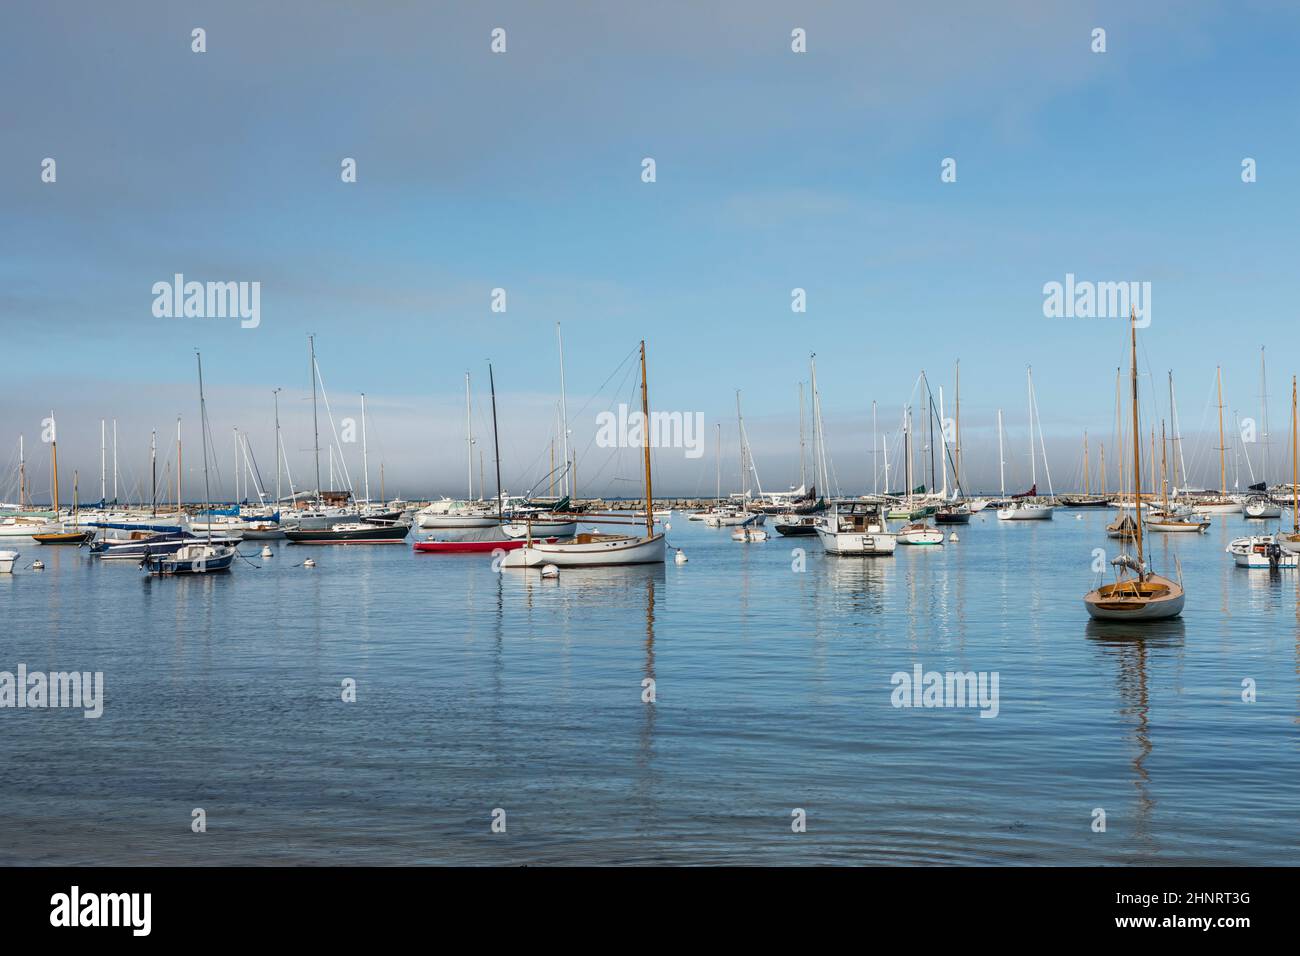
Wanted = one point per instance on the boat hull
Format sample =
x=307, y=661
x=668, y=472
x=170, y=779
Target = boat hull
x=1027, y=513
x=7, y=560
x=473, y=547
x=1114, y=606
x=857, y=544
x=589, y=551
x=378, y=534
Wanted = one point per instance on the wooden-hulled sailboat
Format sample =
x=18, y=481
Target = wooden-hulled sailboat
x=589, y=550
x=1137, y=594
x=62, y=535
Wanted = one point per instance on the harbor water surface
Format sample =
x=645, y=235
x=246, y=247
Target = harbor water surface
x=479, y=690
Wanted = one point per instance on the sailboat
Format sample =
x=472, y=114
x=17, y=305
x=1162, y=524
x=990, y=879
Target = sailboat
x=195, y=557
x=589, y=549
x=1137, y=594
x=1221, y=503
x=62, y=535
x=1022, y=507
x=1258, y=504
x=1168, y=518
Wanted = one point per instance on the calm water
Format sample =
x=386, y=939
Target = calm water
x=478, y=690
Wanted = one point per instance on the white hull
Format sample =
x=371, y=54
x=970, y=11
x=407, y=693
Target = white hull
x=602, y=551
x=1171, y=527
x=7, y=559
x=732, y=519
x=855, y=543
x=1289, y=542
x=1154, y=609
x=24, y=530
x=1027, y=512
x=926, y=536
x=440, y=521
x=1218, y=508
x=1262, y=510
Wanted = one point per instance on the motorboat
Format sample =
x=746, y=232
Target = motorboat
x=855, y=527
x=918, y=532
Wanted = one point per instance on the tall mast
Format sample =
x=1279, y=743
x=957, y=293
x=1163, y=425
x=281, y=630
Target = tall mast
x=1295, y=482
x=275, y=395
x=178, y=468
x=564, y=416
x=365, y=449
x=875, y=442
x=803, y=472
x=103, y=460
x=203, y=424
x=1033, y=459
x=1002, y=462
x=956, y=465
x=153, y=472
x=1173, y=424
x=115, y=461
x=22, y=475
x=1164, y=478
x=496, y=443
x=907, y=453
x=54, y=459
x=645, y=437
x=315, y=424
x=943, y=440
x=1263, y=399
x=1137, y=443
x=1087, y=478
x=469, y=447
x=1102, y=449
x=717, y=455
x=1223, y=465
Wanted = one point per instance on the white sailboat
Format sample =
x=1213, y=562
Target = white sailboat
x=591, y=549
x=1023, y=509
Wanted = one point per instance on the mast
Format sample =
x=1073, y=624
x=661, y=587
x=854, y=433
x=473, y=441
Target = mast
x=1223, y=465
x=153, y=472
x=803, y=471
x=1033, y=459
x=1137, y=444
x=275, y=395
x=956, y=465
x=875, y=442
x=1087, y=478
x=22, y=475
x=564, y=416
x=885, y=448
x=178, y=468
x=1173, y=424
x=315, y=423
x=365, y=450
x=645, y=418
x=103, y=462
x=1002, y=462
x=1102, y=450
x=115, y=461
x=1295, y=482
x=469, y=448
x=717, y=455
x=203, y=420
x=1164, y=478
x=54, y=458
x=907, y=454
x=1263, y=398
x=943, y=440
x=496, y=443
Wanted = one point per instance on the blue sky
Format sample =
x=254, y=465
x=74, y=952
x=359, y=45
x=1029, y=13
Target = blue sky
x=522, y=170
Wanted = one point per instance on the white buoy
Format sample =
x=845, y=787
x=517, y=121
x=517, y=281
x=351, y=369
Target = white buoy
x=266, y=551
x=680, y=557
x=953, y=537
x=550, y=571
x=309, y=563
x=1078, y=517
x=38, y=565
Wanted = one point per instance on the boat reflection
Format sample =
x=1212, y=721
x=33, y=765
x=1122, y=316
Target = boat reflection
x=1135, y=647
